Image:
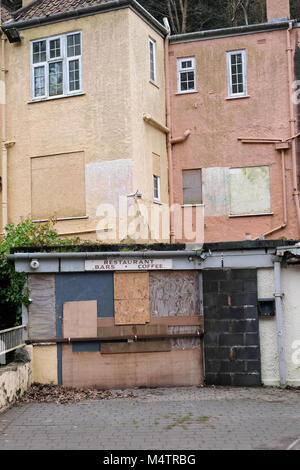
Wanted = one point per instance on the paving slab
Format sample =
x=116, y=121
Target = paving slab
x=164, y=418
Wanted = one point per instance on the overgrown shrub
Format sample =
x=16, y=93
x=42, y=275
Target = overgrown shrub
x=12, y=285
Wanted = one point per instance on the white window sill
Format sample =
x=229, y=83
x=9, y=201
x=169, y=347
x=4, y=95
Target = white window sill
x=251, y=215
x=237, y=97
x=186, y=92
x=156, y=201
x=50, y=98
x=192, y=205
x=154, y=84
x=62, y=219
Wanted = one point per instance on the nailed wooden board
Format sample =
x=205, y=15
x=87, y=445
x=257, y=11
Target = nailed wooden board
x=113, y=331
x=105, y=322
x=193, y=320
x=42, y=314
x=159, y=369
x=80, y=319
x=131, y=295
x=174, y=293
x=136, y=347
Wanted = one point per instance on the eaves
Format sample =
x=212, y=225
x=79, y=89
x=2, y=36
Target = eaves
x=88, y=11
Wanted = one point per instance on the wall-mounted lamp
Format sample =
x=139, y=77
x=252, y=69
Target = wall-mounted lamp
x=136, y=194
x=13, y=35
x=34, y=264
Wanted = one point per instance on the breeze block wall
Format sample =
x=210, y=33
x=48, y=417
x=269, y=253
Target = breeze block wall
x=231, y=334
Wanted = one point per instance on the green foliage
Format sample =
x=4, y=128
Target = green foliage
x=12, y=285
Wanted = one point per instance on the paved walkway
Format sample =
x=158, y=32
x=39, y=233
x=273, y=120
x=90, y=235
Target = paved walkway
x=164, y=419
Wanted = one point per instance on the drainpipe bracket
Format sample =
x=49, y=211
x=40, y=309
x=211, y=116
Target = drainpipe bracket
x=9, y=143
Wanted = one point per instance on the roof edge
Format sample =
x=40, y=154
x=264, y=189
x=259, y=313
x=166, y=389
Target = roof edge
x=87, y=11
x=231, y=31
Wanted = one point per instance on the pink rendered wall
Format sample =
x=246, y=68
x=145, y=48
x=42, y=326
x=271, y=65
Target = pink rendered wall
x=217, y=123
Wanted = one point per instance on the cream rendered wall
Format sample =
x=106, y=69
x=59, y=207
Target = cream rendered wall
x=290, y=278
x=106, y=122
x=147, y=139
x=44, y=365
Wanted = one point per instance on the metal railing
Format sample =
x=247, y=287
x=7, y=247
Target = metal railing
x=11, y=339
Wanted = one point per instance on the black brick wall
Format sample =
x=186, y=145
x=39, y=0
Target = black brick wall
x=231, y=339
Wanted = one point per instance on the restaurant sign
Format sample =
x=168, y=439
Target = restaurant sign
x=139, y=263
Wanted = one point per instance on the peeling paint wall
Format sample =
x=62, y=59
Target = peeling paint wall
x=108, y=183
x=216, y=197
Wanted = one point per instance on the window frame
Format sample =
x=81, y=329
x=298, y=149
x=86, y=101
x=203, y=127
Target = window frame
x=180, y=70
x=229, y=54
x=65, y=67
x=152, y=42
x=200, y=172
x=156, y=199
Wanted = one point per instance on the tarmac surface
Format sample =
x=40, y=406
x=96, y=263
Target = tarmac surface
x=160, y=419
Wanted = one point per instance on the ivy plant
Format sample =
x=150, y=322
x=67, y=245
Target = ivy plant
x=13, y=292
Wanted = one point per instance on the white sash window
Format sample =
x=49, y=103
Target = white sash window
x=56, y=66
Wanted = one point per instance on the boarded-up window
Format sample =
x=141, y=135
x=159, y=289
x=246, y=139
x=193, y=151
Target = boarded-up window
x=250, y=190
x=58, y=186
x=80, y=319
x=131, y=293
x=192, y=187
x=42, y=315
x=174, y=293
x=155, y=164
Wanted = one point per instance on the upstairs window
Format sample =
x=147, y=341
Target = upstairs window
x=56, y=66
x=236, y=67
x=152, y=53
x=156, y=188
x=186, y=75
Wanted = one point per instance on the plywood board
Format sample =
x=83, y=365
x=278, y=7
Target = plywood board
x=131, y=295
x=58, y=185
x=113, y=331
x=159, y=369
x=105, y=322
x=155, y=164
x=136, y=347
x=128, y=286
x=80, y=319
x=131, y=312
x=174, y=293
x=193, y=320
x=41, y=312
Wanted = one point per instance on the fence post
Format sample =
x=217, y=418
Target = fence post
x=2, y=356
